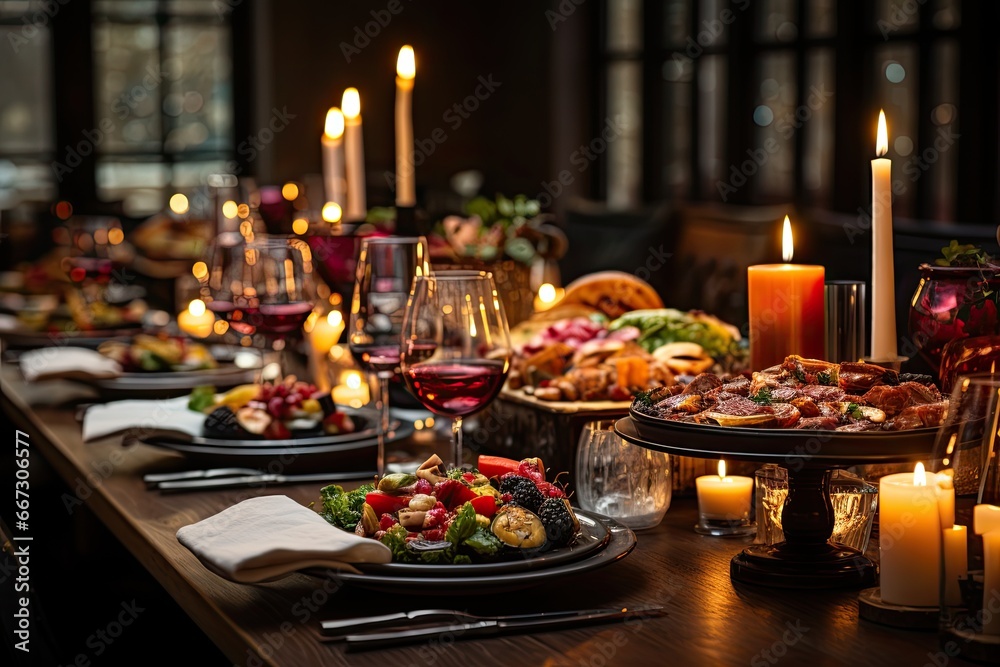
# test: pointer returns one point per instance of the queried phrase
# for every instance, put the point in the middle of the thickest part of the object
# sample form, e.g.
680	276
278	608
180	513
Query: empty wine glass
262	285
456	345
385	271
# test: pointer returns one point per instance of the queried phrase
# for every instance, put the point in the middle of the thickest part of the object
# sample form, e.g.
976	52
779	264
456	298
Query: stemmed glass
456	345
385	271
262	285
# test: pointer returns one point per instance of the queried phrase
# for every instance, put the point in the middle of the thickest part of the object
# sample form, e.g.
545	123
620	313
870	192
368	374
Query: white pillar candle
334	185
909	539
946	499
406	70
956	562
883	280
985	519
991	583
354	151
722	497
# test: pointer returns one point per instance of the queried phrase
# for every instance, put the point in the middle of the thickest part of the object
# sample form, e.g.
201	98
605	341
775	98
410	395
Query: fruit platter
452	532
437	516
284	410
145	353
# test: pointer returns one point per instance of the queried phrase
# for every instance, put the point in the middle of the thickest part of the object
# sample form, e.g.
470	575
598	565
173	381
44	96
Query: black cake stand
807	558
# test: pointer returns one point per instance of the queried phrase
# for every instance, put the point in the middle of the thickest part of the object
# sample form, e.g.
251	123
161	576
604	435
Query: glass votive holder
724	504
770	491
854	503
621	480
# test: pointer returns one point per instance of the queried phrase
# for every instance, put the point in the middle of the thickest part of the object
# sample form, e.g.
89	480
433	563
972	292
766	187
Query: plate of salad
501	517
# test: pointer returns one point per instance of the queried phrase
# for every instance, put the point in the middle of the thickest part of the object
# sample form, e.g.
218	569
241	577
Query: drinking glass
386	269
262	285
966	449
621	480
456	345
96	257
854	503
770	491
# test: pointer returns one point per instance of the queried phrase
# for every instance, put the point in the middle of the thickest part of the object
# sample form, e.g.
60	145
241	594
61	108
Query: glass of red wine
96	257
456	345
262	286
386	269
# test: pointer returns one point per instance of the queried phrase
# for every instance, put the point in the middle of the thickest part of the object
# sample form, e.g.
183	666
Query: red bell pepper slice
485	505
383	503
496	466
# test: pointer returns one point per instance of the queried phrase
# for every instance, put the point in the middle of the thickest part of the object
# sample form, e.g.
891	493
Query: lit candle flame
406	66
882	140
722	469
197	307
919	475
353	380
335	319
547	293
351	104
786	240
332	212
179	204
334	128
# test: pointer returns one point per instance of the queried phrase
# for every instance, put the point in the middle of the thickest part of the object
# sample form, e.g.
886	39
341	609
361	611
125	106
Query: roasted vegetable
518	528
393	483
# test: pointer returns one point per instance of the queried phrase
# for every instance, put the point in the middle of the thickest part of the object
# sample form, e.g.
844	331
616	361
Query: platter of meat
802	408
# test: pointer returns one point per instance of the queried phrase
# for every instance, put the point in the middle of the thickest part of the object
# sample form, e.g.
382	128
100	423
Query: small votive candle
724	504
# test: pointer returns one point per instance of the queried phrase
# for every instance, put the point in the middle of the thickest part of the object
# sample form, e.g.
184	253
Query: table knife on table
499	626
214	483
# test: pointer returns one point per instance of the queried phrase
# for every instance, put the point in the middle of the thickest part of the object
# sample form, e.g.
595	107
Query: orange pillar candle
787	314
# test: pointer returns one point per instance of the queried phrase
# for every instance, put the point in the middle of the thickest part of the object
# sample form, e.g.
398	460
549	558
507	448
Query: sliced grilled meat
893	400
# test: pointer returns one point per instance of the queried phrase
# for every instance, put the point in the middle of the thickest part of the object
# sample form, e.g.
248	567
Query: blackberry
222	423
559	521
522	491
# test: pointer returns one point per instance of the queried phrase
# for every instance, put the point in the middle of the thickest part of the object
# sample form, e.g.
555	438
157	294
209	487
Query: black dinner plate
769	444
621	543
593	535
303	455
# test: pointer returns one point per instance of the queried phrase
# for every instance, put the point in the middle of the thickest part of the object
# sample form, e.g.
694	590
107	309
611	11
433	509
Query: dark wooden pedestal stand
807	558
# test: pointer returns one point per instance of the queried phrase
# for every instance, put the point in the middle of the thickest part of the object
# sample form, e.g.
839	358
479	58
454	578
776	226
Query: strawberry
532	469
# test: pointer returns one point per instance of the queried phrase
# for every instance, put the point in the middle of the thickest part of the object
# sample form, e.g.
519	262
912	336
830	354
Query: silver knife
258	480
342	627
156	478
399	636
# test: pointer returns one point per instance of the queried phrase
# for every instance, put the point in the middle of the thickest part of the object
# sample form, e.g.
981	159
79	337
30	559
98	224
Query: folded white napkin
118	416
267	538
47	363
9	323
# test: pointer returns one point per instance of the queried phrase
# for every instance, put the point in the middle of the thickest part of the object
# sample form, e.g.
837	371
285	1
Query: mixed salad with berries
273	411
502	508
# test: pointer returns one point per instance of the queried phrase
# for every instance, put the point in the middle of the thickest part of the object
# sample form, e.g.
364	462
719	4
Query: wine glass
261	285
385	271
456	345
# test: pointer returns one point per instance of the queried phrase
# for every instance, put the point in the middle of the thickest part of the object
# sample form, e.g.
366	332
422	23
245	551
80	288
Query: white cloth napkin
270	537
47	363
118	416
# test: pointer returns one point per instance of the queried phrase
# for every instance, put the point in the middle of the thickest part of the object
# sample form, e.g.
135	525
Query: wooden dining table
708	619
